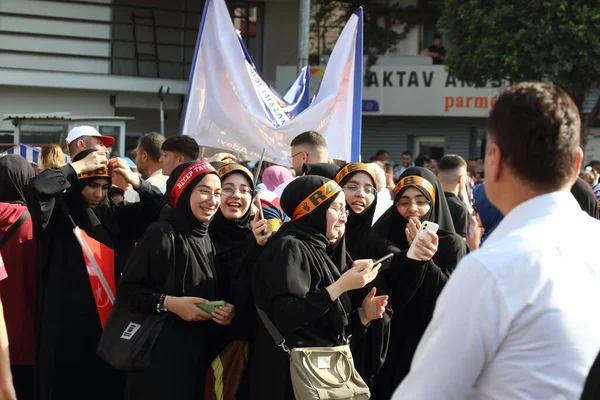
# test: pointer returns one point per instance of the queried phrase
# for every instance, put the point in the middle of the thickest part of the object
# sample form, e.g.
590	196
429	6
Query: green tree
517	40
386	22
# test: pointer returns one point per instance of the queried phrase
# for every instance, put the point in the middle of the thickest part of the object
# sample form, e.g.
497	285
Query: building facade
93	60
109	58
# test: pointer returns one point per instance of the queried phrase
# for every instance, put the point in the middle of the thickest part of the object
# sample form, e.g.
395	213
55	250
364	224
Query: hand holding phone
211	306
382	259
259	211
424	245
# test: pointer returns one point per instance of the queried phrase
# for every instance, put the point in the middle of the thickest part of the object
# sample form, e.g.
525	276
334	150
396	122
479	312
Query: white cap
84	130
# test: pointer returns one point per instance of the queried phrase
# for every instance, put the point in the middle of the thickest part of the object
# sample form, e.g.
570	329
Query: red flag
104	258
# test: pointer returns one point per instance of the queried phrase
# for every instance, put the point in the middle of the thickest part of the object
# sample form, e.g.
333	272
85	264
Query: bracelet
160	306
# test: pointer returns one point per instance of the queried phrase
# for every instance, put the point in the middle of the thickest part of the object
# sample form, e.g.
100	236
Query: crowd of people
214	255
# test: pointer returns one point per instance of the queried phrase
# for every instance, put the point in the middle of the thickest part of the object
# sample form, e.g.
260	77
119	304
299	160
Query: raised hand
427	248
260	231
91	162
412	228
121	172
373	307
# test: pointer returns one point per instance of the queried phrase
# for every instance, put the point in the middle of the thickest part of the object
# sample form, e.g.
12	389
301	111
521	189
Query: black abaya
183	350
414	286
290	283
69	327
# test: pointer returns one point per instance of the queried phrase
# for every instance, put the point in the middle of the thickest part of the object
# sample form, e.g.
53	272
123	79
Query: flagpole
259	166
303	34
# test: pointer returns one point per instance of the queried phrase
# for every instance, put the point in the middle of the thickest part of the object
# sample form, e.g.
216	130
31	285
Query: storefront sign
423	90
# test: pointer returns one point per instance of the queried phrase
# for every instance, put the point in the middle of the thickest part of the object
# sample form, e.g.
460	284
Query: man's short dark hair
594	162
381	152
151	144
422	159
437	36
311	138
451	162
537	128
182	144
407	153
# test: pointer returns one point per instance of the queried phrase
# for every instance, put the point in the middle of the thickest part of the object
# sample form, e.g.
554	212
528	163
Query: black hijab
199	267
99	223
15	173
358	226
322	169
391	224
584	195
311	229
226	234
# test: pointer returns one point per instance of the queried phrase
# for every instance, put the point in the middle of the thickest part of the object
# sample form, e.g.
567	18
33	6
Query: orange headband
354	167
227	168
186	177
101	172
316	198
414	180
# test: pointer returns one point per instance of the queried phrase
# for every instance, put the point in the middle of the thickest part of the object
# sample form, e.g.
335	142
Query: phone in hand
382	259
211	306
426	227
259	209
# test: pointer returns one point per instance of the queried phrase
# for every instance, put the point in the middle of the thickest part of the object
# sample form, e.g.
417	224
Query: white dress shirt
157	179
519	317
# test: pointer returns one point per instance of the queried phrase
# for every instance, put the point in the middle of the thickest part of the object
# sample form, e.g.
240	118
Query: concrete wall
73	38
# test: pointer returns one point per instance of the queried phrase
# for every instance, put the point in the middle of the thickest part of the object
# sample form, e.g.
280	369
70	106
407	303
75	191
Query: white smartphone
423	233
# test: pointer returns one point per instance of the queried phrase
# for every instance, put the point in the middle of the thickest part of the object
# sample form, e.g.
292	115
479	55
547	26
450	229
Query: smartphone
423	233
211	306
259	209
382	259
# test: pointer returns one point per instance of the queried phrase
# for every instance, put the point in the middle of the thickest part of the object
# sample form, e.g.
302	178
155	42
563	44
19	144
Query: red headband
186	177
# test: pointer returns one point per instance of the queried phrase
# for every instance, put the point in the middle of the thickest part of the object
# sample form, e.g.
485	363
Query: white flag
229	104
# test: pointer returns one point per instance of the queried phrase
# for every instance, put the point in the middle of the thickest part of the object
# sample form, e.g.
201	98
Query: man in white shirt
147	158
518	319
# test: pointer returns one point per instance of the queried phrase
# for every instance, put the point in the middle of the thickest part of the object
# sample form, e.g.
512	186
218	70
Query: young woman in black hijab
300	288
185	346
230	230
236	252
359	183
69	326
414	286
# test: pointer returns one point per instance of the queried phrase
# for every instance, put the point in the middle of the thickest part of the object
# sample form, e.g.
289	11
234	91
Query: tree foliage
517	40
386	22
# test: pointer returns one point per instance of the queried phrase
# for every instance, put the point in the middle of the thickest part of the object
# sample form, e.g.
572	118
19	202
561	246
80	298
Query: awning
31	153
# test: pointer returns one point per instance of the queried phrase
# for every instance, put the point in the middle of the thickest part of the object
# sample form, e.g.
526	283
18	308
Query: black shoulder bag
129	337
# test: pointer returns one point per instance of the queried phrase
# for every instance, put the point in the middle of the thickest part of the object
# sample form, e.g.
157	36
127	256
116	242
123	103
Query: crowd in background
199	243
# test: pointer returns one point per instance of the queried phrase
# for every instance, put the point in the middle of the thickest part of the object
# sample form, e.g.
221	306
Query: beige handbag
321	373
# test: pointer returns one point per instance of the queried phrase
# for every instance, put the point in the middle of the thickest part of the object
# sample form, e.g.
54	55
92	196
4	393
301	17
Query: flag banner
230	105
100	263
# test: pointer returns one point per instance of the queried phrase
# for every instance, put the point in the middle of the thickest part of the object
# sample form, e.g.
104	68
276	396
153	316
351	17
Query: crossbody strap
13	228
273	331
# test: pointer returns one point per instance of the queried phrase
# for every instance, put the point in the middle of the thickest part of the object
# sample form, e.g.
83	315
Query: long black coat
68	325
